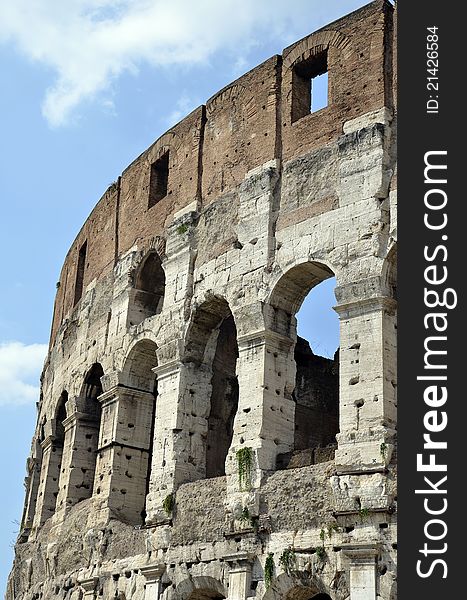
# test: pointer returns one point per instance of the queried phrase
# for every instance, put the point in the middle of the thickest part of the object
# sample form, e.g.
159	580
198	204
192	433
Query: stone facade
188	446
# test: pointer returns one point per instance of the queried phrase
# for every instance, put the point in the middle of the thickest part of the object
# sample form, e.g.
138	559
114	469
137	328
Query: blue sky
87	85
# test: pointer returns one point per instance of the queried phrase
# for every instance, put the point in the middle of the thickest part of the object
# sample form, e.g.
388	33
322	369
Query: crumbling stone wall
317	398
188	445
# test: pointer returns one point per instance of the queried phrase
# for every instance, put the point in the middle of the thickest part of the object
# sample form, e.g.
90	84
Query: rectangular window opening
310	85
80	273
319	92
159	179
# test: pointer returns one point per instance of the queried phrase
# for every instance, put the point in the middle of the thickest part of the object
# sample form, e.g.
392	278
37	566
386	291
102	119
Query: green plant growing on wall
287	560
321	553
269	569
363	513
181	229
247	520
245	517
168	504
383	448
332	527
245	464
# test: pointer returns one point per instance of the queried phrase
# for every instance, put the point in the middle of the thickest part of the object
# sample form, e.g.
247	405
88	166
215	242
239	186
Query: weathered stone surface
186	440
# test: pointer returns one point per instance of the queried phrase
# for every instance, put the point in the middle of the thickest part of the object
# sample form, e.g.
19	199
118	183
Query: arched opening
224	398
300	585
138	368
148	294
59	442
135	432
81	442
212	351
60	416
33	466
89	432
52	437
200	588
303	299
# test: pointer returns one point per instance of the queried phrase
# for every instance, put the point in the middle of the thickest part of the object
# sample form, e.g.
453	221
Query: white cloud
88	43
184	105
20	369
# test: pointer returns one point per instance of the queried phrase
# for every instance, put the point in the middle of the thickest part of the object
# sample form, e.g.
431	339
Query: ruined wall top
255	119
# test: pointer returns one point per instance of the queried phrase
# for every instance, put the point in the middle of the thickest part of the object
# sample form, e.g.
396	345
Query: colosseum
189	445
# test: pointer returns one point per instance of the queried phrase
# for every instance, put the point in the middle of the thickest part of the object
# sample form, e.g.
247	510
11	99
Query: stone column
153	574
79	455
175	442
172	440
124	451
362	571
89	587
367	387
31	483
49	478
367	403
266	411
240	566
181	427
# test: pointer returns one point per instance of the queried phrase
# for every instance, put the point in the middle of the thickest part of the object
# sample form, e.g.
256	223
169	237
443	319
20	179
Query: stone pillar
362	571
367	388
52	458
89	587
181	426
153	574
266	411
31	484
173	442
240	566
79	455
124	451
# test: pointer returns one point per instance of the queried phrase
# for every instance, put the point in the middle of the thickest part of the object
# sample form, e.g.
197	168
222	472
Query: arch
316	389
51	443
35	489
81	442
140	409
389	273
92	386
137	368
149	289
59	442
292	287
60	416
88	435
316	43
208	316
232	94
299	585
200	588
168	141
211	352
91	407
